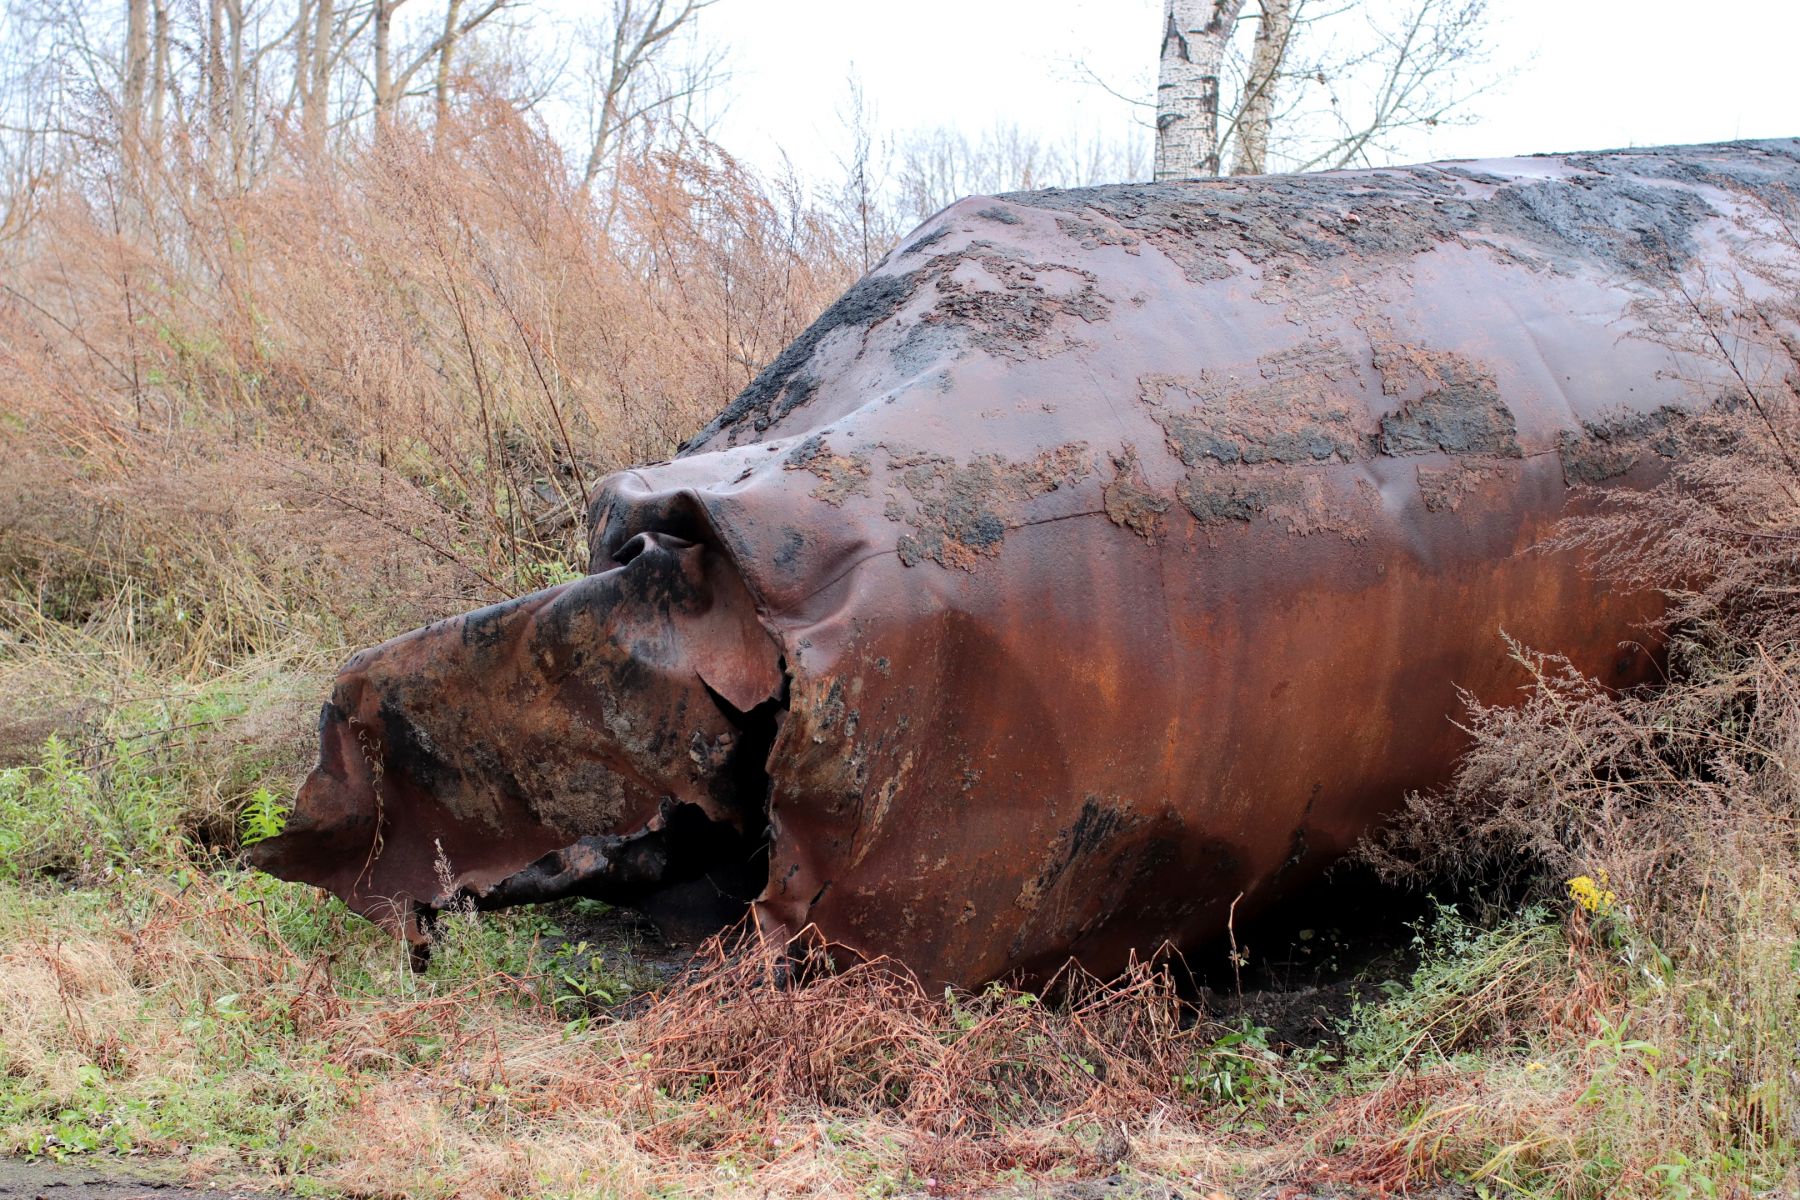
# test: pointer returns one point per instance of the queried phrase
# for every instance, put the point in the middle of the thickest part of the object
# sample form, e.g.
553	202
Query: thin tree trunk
236	85
318	95
137	67
302	58
1273	29
215	73
447	54
159	70
384	63
1195	33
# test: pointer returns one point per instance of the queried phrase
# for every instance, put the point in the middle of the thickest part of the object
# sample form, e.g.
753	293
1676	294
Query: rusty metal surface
1103	556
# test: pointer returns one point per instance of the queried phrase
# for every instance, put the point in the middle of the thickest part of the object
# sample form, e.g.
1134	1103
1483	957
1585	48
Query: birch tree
1303	85
396	68
1195	36
1274	31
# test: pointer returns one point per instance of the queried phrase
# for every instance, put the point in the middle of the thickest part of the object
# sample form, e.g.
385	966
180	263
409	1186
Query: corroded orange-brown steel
1103	556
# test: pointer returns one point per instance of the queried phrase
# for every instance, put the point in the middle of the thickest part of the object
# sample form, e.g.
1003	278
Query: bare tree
935	167
1195	36
860	203
1424	66
383	20
629	75
159	69
446	54
395	70
1310	84
216	97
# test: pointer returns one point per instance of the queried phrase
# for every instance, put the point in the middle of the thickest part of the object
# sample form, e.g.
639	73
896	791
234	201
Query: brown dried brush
740	1042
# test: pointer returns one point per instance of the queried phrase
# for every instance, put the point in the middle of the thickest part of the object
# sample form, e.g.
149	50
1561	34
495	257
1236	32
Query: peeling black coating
1612	446
1462	418
1217	497
1625	223
931	239
872	300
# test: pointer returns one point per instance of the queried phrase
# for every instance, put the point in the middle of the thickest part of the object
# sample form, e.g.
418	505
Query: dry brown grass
374	387
247	1027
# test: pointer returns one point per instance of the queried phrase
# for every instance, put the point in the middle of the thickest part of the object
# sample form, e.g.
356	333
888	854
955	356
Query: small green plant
1469	977
264	816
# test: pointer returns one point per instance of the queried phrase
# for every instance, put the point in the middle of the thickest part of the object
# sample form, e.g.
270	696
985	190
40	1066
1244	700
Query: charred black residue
794	393
793	542
1295	406
870	301
1011	315
1445	489
1130	502
1093	828
1300	500
1200	226
931	239
656	578
1456	420
1458	410
484	627
1625	223
840	476
1091	235
994	212
1613	445
406	750
1214	497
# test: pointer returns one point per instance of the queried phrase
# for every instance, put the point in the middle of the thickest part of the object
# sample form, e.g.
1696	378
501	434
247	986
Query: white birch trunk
1187	92
1273	29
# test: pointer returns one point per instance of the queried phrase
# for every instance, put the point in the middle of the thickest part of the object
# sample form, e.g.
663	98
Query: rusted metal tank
1103	557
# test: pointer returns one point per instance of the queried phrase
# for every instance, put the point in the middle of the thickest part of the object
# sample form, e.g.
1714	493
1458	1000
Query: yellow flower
1593	894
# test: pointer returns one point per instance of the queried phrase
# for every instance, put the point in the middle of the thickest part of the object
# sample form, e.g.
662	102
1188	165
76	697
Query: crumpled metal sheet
1102	558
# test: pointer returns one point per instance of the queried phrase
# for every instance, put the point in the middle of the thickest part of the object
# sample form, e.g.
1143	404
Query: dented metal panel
1101	558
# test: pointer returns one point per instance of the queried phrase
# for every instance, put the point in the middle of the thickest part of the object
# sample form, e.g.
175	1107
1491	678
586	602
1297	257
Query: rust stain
961	512
1130	502
841	476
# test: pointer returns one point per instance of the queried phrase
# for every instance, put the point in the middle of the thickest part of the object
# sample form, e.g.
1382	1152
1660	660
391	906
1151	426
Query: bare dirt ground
101	1180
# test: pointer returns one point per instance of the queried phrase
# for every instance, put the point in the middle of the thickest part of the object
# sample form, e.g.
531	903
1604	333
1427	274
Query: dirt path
101	1180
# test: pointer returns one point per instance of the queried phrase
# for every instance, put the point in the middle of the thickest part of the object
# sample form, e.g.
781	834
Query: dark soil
1305	965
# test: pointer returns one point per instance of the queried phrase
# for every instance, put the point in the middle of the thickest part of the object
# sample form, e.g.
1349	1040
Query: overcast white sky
1591	74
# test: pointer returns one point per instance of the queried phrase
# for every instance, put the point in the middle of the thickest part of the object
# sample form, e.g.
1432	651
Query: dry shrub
970	1081
1679	804
370	388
